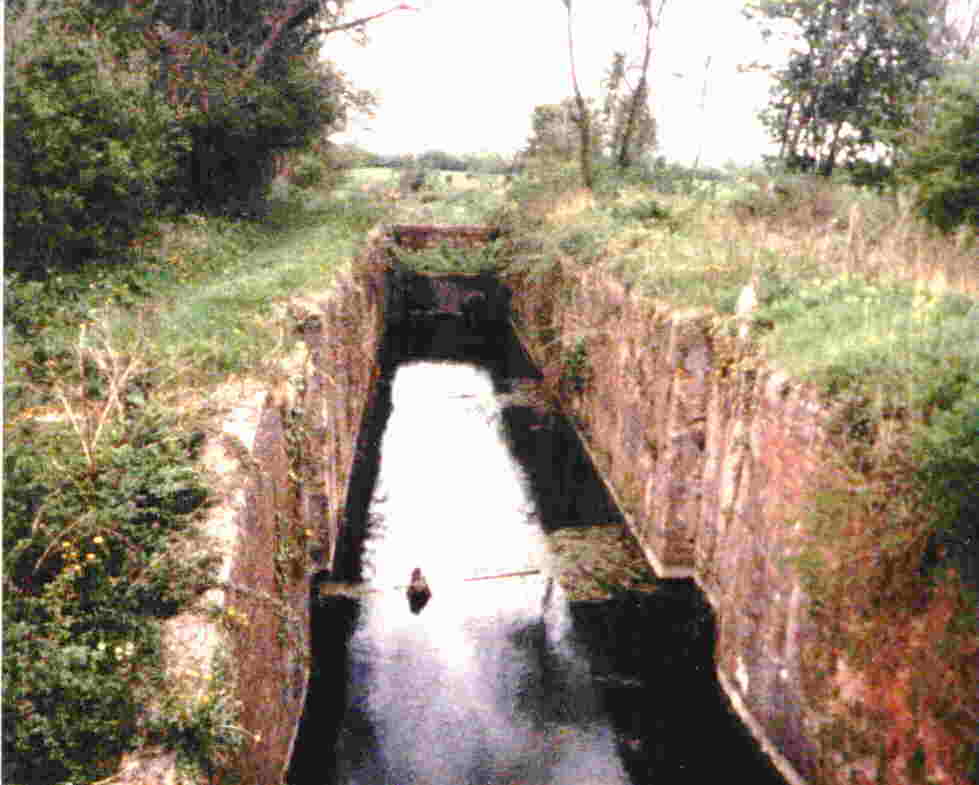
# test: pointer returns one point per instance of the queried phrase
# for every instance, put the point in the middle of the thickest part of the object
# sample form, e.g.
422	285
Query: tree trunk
640	94
583	121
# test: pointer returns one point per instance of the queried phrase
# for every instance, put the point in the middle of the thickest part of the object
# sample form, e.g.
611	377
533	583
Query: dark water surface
500	680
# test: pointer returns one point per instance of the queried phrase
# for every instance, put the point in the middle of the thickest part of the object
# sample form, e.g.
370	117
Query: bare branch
364	20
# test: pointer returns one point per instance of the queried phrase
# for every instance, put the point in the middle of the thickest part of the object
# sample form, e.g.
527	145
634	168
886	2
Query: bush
646	210
231	158
309	171
84	159
89	565
944	164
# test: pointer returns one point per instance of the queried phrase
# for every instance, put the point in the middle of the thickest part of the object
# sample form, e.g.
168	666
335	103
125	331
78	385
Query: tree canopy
850	81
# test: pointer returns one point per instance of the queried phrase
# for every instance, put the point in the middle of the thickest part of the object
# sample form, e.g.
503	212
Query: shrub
646	210
85	157
309	172
944	164
230	161
98	507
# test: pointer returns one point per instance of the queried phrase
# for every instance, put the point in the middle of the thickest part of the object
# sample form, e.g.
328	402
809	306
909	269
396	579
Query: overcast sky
464	75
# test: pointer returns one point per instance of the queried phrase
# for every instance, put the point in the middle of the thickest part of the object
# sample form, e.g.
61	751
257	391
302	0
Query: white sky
464	75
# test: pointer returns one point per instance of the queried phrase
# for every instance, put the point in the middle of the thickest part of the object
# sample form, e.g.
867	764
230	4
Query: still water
484	683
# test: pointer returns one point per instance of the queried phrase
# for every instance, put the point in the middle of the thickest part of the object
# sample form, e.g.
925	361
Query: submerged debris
597	562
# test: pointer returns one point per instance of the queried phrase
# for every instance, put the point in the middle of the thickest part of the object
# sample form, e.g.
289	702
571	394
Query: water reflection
482	684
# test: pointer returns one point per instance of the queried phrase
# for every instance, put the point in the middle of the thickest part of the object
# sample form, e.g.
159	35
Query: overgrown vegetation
100	497
106	372
119	114
446	259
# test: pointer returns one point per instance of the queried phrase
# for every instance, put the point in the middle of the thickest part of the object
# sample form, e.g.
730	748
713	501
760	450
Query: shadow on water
648	656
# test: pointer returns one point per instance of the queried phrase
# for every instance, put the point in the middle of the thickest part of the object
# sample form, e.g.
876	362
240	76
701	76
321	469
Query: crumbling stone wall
709	454
714	454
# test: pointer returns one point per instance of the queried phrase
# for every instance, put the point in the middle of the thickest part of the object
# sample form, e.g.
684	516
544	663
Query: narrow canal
495	679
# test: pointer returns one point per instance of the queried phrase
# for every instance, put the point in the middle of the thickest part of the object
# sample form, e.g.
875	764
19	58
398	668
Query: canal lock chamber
623	676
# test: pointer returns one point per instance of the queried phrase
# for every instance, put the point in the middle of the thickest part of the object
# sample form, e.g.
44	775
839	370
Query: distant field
447	197
373	174
456	181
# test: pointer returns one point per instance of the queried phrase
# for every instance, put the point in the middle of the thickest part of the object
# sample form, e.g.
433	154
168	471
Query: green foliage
846	334
670	177
799	200
944	164
445	259
646	210
230	162
203	729
87	149
117	115
585	243
309	171
554	131
92	560
895	350
575	371
947	454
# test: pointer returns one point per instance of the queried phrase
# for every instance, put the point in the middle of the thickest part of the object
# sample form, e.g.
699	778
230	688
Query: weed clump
445	259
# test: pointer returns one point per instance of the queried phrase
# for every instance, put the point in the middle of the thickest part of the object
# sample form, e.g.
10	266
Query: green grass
217	314
446	198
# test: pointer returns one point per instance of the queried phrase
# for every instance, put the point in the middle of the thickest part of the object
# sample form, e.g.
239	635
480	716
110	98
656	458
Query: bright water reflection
481	686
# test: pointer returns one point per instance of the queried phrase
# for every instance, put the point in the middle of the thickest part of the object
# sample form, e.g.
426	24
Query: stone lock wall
281	456
709	452
713	454
709	455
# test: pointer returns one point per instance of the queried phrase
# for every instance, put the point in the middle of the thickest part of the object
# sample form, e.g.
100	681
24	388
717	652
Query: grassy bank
107	372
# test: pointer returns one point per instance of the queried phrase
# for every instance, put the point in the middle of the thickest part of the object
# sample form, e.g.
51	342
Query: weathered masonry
709	452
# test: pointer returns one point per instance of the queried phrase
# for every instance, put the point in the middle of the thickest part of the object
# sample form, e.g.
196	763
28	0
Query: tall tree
554	131
582	115
250	84
636	127
852	80
942	159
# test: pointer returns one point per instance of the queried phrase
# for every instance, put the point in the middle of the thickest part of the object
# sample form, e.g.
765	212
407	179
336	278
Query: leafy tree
249	84
555	132
121	110
943	163
859	67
